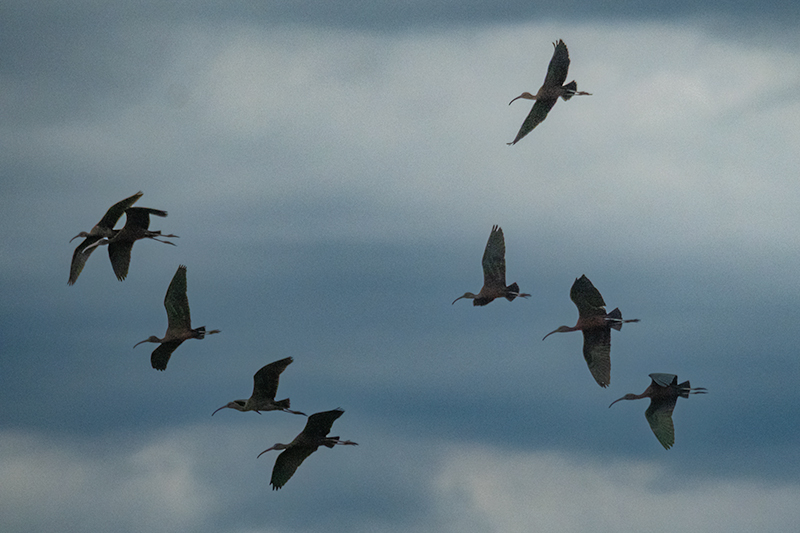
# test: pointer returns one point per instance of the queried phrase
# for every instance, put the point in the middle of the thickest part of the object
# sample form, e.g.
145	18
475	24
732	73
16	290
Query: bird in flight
663	392
552	88
596	326
494	273
179	322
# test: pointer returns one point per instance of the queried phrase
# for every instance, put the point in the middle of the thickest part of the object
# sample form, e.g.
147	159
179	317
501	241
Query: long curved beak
527	96
265	451
140	342
615	401
221	408
554	331
75	237
457	299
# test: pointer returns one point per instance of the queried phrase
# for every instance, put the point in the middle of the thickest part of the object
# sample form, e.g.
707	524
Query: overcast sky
333	172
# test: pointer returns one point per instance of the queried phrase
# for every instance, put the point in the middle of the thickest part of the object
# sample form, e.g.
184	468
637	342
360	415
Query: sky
333	171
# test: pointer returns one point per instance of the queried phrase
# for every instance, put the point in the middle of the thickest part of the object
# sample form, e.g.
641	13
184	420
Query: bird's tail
614	319
615	315
200	333
684	390
571	89
330	442
512	291
283	404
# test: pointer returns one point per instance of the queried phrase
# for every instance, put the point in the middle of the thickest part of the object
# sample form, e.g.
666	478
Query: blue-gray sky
333	172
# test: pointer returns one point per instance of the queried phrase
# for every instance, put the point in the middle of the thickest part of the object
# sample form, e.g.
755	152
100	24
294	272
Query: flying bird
494	273
663	393
137	222
312	437
103	230
265	386
179	322
596	325
549	92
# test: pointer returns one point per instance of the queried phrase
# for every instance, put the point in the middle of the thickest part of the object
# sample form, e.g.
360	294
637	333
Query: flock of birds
593	320
179	328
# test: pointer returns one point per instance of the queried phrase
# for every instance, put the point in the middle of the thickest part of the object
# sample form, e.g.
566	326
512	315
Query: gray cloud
333	190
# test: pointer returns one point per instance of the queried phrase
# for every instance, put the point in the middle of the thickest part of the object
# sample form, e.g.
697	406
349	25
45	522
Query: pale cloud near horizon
554	491
164	480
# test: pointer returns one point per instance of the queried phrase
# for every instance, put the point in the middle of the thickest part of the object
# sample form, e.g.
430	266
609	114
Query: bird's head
561	329
277	446
466	295
629	396
526	96
235	404
151	338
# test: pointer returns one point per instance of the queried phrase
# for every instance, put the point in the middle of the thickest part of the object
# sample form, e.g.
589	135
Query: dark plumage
312	437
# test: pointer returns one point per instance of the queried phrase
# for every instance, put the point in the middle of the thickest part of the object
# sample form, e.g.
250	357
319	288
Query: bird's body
494	273
102	231
596	326
548	94
312	437
265	386
663	392
179	322
137	222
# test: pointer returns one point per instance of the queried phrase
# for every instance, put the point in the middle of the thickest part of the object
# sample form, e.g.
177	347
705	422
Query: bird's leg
165	242
95	244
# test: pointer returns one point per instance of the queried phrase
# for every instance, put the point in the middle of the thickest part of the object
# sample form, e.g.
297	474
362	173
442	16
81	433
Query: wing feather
177	302
265	381
559	66
287	463
597	353
494	259
586	298
659	416
160	356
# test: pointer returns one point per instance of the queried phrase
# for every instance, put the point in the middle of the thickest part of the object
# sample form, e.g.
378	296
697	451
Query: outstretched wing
586	298
494	260
538	113
659	416
287	463
665	380
559	66
265	381
139	217
115	211
319	424
177	303
597	353
80	256
119	252
161	355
